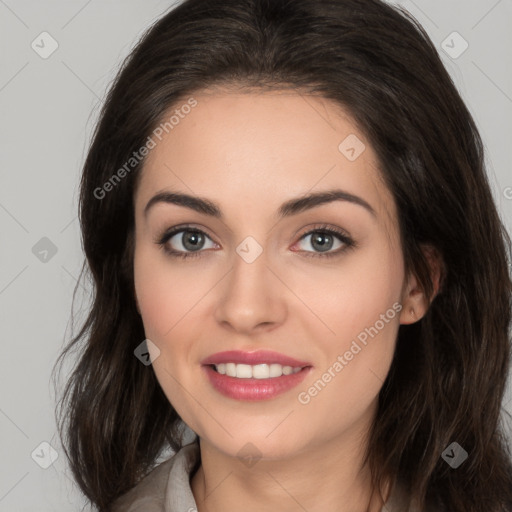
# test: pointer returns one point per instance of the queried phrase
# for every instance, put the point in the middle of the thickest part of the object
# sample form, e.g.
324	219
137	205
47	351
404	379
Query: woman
296	253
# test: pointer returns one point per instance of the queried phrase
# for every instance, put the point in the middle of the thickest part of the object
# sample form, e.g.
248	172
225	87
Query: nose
251	298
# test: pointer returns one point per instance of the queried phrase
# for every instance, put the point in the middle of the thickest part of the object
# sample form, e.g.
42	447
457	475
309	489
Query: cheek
359	303
345	387
352	293
165	293
166	300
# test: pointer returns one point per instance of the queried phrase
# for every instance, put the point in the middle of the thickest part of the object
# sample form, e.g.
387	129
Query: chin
254	446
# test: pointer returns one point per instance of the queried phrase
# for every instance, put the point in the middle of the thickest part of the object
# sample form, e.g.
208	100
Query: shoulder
162	486
149	492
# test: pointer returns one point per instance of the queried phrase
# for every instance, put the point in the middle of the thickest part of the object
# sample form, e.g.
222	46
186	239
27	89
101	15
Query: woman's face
261	278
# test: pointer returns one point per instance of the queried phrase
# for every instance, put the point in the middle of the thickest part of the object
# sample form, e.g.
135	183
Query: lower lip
254	389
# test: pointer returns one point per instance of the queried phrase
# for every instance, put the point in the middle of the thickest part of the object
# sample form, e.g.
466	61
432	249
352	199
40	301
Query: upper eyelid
172	232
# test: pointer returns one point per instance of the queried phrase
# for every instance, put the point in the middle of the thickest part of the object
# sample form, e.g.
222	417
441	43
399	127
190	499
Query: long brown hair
449	372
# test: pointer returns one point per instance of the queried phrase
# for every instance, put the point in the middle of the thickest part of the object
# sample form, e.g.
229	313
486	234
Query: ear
415	304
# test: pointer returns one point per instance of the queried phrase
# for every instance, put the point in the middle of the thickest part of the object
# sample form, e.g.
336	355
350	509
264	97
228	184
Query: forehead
261	147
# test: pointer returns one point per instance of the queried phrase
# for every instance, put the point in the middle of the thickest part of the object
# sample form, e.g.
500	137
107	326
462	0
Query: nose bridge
249	274
250	295
250	264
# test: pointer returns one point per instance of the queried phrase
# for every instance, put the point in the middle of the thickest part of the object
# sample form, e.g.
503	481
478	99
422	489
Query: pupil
320	239
193	237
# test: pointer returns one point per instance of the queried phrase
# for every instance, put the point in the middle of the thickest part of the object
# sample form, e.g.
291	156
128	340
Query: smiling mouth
257	371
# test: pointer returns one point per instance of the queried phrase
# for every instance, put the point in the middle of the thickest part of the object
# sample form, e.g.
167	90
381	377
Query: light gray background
48	109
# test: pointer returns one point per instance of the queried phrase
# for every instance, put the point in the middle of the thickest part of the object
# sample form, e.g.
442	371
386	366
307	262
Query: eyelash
167	235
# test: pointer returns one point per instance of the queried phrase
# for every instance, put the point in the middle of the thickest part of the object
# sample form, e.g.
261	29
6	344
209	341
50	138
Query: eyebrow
288	208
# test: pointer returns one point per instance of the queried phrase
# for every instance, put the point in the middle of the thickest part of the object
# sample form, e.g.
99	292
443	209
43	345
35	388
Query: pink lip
253	358
254	389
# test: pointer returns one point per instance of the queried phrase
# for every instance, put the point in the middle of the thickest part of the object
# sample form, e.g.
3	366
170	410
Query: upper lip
253	358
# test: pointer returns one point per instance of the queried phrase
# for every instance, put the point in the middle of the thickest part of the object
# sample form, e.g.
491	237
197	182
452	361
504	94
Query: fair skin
249	153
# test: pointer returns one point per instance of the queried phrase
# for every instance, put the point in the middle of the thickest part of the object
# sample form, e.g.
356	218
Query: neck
326	478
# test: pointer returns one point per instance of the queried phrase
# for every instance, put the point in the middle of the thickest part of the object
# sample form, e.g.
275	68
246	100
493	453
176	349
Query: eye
184	239
322	239
189	242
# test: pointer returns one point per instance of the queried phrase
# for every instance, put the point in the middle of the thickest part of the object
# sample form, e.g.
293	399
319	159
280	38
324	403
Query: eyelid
169	232
343	236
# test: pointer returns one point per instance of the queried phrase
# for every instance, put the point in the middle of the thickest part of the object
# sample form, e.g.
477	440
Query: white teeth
258	371
243	371
287	370
261	371
276	370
